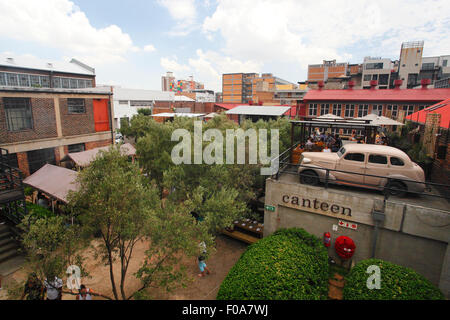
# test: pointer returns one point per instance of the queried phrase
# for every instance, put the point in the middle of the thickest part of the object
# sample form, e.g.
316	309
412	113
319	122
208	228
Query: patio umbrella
329	116
380	120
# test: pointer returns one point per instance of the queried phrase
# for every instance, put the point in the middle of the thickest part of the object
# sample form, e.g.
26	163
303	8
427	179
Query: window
76	106
444	63
35	81
24	80
18	114
11	160
428	66
396	161
408	110
73	83
2	79
337	109
123	101
363	110
371	66
12	79
355	157
367	77
313	109
376	158
56	82
76	148
383	79
324	109
375	77
349	110
393	110
377	109
38	158
65	83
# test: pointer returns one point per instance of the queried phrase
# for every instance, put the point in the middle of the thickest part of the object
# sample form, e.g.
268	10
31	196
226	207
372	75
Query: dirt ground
227	253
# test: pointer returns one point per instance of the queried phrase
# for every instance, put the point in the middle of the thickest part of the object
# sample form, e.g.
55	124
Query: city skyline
133	44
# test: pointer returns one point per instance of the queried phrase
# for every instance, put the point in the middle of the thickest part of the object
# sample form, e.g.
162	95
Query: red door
101	116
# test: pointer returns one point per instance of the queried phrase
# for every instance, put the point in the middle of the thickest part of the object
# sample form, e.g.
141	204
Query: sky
133	43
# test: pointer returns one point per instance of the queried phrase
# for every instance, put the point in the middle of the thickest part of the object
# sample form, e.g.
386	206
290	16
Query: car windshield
341	152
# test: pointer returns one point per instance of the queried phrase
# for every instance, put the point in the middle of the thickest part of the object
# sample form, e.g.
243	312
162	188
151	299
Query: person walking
202	266
33	290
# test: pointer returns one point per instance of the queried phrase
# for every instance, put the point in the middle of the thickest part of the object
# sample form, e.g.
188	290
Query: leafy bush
38	211
397	283
289	264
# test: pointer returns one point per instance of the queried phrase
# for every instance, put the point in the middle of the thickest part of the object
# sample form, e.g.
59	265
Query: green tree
51	245
117	202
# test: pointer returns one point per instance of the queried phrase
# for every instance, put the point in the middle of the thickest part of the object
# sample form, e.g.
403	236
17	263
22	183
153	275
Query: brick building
351	103
49	110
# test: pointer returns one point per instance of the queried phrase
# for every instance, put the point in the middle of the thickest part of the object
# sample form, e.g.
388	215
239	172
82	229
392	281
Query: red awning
442	108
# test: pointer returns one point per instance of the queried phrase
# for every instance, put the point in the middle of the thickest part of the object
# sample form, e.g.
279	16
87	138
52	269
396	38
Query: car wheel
309	177
397	188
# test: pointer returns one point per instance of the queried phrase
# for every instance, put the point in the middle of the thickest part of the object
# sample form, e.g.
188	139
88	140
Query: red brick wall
44	122
74	124
22	161
97	144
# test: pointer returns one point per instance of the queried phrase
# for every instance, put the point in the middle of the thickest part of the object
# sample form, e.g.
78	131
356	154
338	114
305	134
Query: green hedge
289	264
397	283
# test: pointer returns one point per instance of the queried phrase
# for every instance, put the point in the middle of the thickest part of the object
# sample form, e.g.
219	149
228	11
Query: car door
352	162
377	165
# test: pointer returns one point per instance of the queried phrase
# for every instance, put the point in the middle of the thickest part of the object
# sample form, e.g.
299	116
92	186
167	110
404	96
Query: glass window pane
376	158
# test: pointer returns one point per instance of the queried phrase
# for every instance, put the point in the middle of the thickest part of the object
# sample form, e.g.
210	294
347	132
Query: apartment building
237	87
410	63
328	69
377	69
50	109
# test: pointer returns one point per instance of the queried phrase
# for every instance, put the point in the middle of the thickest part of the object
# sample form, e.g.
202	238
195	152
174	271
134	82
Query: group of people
36	290
326	142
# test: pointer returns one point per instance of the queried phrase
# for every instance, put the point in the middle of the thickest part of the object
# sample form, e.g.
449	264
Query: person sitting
309	144
353	136
326	149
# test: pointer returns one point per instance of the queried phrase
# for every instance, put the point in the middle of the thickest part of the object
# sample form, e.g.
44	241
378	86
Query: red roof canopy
379	95
442	107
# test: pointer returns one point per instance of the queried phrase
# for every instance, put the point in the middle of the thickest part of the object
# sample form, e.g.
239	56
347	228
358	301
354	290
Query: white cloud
171	64
149	48
298	33
60	24
184	12
209	66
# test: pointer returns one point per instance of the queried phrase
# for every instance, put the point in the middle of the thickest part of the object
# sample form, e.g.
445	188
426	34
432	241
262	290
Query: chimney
425	83
398	83
321	85
351	84
373	84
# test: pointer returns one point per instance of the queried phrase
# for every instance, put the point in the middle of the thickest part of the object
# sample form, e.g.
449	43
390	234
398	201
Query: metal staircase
12	210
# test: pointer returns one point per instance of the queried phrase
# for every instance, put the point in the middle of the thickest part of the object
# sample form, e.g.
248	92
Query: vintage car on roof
364	165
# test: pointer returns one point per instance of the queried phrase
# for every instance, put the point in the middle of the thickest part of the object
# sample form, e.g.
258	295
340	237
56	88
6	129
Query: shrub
38	211
289	264
397	283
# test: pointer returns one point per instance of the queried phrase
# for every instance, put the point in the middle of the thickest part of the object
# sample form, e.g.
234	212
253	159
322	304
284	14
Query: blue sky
132	43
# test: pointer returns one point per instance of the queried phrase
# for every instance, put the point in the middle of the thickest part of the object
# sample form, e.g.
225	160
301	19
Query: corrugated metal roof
31	62
180	114
259	110
430	95
442	107
54	181
229	106
147	95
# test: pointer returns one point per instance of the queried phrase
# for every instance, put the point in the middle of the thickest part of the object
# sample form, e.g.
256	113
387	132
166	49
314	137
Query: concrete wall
411	236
